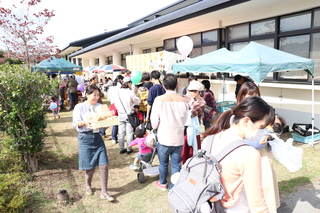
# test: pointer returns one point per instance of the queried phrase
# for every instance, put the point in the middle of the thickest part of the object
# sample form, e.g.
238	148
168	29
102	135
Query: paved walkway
305	201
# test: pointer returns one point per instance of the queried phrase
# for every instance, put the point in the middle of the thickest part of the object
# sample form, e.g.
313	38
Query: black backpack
199	181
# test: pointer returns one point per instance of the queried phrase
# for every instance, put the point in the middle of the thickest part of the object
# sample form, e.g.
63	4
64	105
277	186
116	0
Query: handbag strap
122	103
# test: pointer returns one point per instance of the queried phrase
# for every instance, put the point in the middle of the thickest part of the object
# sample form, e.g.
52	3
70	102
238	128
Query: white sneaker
114	141
134	167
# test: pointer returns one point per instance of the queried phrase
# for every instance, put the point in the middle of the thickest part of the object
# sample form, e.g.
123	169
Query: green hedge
12	178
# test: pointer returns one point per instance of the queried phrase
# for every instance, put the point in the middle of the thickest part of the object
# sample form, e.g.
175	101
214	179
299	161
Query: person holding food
92	150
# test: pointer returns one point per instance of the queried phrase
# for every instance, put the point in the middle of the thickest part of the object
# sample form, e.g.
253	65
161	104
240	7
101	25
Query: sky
78	19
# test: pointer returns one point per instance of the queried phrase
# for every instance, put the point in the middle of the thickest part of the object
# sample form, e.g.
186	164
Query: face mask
256	135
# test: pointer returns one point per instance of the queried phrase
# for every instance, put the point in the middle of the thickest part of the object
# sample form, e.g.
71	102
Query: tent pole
223	87
312	119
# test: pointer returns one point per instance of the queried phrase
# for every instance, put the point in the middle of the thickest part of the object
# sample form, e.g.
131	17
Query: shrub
12	177
21	113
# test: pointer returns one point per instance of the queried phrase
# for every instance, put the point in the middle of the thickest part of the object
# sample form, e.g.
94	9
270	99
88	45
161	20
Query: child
138	113
55	110
145	152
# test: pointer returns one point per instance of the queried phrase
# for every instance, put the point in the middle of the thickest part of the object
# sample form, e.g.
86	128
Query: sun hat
93	75
126	79
195	85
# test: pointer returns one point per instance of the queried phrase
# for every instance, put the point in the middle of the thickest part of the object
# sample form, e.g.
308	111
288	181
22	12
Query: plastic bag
151	139
287	154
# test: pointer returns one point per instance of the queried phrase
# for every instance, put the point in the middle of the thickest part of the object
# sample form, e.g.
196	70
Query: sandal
89	191
106	197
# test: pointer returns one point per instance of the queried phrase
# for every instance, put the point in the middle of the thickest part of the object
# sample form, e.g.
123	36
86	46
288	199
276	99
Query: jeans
163	155
125	128
102	132
114	133
73	99
207	124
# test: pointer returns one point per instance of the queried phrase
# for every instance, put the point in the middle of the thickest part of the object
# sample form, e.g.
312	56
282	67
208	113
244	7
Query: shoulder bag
132	116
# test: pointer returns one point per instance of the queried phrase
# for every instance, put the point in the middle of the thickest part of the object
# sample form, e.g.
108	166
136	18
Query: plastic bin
220	105
228	107
305	139
304	129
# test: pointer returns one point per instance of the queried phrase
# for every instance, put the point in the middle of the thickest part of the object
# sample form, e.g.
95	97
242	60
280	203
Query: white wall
295	105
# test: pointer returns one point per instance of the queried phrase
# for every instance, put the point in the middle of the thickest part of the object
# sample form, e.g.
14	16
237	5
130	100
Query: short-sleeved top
155	91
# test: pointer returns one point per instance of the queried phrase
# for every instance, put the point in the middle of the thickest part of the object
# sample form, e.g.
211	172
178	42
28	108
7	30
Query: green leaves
21	113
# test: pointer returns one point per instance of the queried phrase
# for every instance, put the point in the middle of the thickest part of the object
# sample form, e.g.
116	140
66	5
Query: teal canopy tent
55	65
254	59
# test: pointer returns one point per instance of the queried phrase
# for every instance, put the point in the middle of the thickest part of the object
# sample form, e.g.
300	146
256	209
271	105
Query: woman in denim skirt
92	150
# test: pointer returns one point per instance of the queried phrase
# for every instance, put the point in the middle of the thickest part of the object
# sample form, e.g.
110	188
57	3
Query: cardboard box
112	121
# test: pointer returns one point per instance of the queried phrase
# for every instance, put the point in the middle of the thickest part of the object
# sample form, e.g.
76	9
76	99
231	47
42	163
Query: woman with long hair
241	169
247	89
269	178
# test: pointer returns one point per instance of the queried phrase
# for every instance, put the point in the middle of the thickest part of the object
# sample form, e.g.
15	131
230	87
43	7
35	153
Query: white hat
195	85
92	76
126	79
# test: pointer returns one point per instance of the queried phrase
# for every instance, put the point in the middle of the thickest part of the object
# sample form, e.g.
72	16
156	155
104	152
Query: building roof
83	43
176	12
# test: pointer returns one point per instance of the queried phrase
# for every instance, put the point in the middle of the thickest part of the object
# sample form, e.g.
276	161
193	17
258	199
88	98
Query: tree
21	113
21	31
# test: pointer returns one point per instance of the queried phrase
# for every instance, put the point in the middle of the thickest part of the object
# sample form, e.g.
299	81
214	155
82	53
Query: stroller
145	165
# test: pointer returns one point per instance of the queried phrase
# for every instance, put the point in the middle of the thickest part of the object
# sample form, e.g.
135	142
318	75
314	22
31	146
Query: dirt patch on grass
58	169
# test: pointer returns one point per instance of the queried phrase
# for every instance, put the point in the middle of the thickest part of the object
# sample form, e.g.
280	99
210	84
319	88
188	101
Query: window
80	61
238	46
295	22
210	37
315	54
123	59
195	52
96	62
196	38
109	60
263	27
239	31
266	42
169	44
208	49
74	60
146	51
159	49
316	18
297	45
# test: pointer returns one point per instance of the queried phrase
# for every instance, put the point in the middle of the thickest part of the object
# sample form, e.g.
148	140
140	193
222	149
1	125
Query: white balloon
79	79
185	45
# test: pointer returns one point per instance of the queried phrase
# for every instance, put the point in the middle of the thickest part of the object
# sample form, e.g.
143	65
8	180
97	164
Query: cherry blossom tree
21	32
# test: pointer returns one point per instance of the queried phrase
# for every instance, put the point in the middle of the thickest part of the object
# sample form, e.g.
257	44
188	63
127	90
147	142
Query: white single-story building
289	25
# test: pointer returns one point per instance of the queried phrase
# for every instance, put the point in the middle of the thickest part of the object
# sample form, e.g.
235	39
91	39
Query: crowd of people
248	173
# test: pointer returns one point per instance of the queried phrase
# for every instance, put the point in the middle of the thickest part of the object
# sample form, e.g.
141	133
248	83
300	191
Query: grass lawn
58	169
